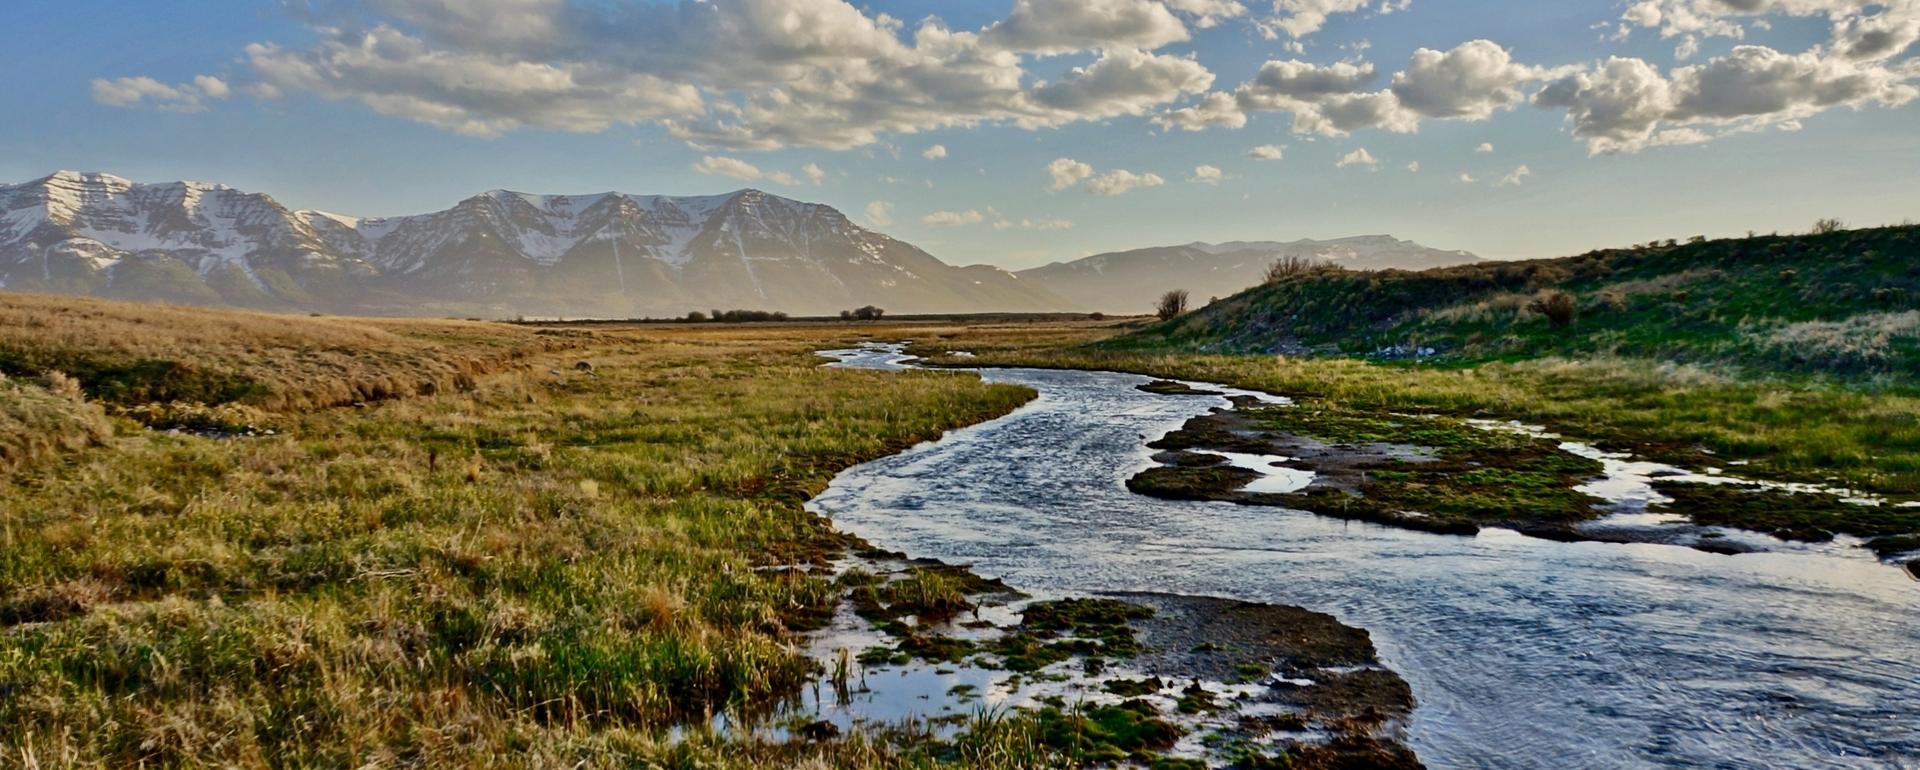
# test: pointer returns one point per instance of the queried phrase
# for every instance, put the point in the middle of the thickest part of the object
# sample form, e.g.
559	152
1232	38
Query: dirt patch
1171	388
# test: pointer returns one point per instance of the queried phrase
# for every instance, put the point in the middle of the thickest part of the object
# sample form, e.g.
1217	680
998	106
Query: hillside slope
1843	302
496	254
1130	281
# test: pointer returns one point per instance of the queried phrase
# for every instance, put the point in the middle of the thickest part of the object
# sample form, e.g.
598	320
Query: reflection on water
1524	653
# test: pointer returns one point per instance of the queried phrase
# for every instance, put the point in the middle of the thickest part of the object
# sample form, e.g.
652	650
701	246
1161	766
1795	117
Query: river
1523	653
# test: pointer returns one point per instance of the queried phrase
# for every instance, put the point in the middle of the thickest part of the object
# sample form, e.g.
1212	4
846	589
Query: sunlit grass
546	569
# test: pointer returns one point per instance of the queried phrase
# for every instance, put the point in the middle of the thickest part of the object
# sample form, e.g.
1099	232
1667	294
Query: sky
1012	132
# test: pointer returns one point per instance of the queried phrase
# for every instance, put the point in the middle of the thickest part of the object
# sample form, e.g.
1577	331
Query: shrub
1827	226
1172	304
1288	267
1558	307
867	313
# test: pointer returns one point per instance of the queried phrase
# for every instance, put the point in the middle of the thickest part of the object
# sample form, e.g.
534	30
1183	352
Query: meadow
531	566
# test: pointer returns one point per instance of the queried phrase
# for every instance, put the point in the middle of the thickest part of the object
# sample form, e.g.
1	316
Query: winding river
1523	653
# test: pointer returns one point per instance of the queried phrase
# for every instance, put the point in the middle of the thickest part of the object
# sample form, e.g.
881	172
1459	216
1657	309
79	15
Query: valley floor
229	539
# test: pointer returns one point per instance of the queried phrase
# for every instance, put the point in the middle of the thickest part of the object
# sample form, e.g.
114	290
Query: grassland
524	568
1833	305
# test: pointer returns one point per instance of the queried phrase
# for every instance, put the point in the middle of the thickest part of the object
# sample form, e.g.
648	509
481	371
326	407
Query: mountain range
495	254
1130	281
604	255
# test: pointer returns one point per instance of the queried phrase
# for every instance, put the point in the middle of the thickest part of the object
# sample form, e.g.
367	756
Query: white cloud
1469	82
1204	174
1514	179
1413	167
1064	26
1122	82
935	152
821	73
720	165
1359	157
1484	148
1865	30
1465	178
815	173
879	213
138	91
953	218
1214	110
1625	105
1026	223
1267	152
1067	172
1122	181
1300	18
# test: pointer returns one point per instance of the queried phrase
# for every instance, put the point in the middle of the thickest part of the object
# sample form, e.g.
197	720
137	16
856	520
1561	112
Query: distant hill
1130	281
496	254
1844	302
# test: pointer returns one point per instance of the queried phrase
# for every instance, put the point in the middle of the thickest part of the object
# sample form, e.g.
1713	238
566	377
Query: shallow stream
1523	653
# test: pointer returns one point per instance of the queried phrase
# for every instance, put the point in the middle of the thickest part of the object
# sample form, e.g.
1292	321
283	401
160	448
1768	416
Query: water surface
1523	653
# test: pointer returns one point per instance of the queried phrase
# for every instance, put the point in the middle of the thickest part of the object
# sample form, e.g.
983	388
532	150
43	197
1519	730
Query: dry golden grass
547	569
38	421
129	354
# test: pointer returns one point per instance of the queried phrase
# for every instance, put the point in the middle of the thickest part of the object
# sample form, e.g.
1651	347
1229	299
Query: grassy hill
1841	302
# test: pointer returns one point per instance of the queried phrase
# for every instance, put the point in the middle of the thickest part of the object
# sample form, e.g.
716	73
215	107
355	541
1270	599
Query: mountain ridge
496	253
1130	281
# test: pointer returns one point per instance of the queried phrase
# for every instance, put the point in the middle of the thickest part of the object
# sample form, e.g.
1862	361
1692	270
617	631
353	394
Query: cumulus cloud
1484	148
1359	157
1204	174
815	173
1300	18
1267	152
1515	178
821	73
1858	29
721	165
1064	26
718	165
183	97
1214	110
1121	181
935	152
1469	82
1123	82
1413	167
1066	172
1465	178
953	218
1625	105
879	213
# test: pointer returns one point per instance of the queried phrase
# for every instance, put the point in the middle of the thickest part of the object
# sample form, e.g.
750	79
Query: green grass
542	570
1844	305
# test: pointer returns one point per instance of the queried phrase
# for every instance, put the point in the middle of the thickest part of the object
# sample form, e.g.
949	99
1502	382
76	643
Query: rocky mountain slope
495	254
1129	281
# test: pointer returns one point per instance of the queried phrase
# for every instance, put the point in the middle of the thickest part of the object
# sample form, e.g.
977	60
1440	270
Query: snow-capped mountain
1130	281
497	253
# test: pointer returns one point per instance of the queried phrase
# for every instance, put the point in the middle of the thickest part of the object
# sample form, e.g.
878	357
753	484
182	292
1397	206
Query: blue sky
1771	120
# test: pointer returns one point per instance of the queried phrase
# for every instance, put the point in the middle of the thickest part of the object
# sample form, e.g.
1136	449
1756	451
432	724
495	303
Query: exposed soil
1171	388
1279	686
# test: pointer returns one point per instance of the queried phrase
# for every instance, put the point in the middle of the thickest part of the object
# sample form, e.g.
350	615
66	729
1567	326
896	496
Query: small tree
695	316
868	313
1288	267
1172	304
1558	306
1828	226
